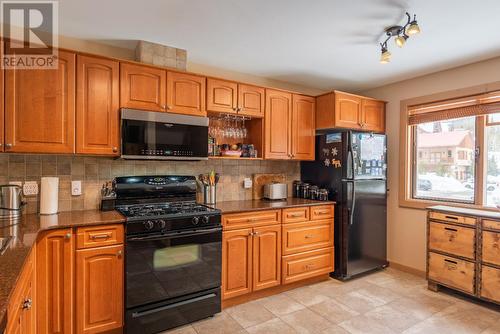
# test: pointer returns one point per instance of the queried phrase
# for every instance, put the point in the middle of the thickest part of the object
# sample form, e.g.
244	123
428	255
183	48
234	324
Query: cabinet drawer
452	218
97	236
491	224
321	212
491	247
305	265
301	237
490	283
251	219
452	239
295	215
452	272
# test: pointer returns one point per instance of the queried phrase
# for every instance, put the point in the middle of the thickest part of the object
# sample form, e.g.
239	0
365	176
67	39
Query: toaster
275	191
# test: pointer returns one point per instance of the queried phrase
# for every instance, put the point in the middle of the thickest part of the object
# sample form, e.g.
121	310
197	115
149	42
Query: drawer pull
451	217
309	266
322	212
309	236
451	229
451	265
100	236
295	215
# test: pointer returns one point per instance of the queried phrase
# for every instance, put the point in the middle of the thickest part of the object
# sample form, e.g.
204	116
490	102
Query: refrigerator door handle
350	210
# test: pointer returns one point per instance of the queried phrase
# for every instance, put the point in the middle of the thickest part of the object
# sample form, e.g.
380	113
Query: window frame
406	161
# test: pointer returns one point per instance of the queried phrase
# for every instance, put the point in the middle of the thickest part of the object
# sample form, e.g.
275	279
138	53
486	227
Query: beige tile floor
385	302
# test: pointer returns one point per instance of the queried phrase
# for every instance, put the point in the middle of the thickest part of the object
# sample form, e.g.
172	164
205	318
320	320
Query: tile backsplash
94	171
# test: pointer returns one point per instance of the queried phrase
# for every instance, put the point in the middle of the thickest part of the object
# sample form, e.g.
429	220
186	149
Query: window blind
463	107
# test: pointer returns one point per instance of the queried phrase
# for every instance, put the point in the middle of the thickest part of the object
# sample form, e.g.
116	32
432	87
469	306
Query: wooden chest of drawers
464	253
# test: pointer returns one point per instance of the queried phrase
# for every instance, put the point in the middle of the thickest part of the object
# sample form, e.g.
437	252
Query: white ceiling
325	44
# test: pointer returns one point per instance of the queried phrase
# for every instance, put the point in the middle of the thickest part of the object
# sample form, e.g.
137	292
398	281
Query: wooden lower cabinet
308	264
236	263
55	281
452	239
21	311
490	279
99	289
452	272
491	247
77	290
266	257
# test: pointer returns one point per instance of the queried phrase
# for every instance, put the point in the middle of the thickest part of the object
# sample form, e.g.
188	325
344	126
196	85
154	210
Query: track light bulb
413	28
400	41
385	57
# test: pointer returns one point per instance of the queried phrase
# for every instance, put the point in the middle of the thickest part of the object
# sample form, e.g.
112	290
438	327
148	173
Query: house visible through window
445	176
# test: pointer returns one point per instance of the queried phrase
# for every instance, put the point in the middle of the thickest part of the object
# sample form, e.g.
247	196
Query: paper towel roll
49	195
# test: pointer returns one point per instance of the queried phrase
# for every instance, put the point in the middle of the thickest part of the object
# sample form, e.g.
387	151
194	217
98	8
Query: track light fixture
400	34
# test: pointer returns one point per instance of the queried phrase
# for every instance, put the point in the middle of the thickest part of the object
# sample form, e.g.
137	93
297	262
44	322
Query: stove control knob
205	219
149	225
161	224
195	220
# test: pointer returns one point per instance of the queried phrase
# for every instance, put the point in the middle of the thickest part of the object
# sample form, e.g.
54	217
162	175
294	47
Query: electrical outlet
247	183
76	188
30	188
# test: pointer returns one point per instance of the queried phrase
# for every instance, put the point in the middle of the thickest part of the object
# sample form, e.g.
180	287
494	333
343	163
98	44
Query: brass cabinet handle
119	253
68	236
309	236
295	215
100	236
115	149
321	212
27	303
251	220
309	266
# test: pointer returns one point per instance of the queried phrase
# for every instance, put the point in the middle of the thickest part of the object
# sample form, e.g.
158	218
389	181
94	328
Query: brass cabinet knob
119	253
163	106
8	145
169	107
68	236
27	303
115	149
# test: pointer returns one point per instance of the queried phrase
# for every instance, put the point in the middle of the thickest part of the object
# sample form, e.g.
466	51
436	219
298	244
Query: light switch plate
247	183
30	188
76	188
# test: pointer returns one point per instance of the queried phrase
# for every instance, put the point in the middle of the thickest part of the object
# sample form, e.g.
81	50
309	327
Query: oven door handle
175	235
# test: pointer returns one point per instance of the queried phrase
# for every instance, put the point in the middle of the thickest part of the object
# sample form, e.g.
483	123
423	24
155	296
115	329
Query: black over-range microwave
163	136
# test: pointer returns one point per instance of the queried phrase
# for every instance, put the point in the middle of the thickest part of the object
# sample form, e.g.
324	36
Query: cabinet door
236	263
186	94
266	257
347	111
40	108
97	106
142	87
55	264
222	96
99	299
277	124
251	100
303	127
490	283
373	115
27	319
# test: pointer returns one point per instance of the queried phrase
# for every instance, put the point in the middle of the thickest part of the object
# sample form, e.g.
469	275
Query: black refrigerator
352	166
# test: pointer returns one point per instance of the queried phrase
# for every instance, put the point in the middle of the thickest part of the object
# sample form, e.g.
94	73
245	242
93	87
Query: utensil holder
209	194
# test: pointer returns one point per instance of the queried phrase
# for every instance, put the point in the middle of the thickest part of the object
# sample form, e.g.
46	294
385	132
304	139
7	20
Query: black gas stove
173	252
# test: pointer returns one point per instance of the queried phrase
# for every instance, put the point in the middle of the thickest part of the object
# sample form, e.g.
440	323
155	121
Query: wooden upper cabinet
373	115
40	108
99	299
303	127
54	288
251	100
347	111
142	87
236	263
97	106
222	96
266	257
344	110
186	94
277	125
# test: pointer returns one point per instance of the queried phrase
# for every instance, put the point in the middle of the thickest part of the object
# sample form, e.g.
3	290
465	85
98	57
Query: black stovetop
164	210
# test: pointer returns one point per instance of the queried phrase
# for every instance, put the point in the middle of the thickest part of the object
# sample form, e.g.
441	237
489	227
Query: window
452	151
493	165
441	177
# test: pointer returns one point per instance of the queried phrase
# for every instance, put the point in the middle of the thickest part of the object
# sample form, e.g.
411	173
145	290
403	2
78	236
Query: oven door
173	265
156	135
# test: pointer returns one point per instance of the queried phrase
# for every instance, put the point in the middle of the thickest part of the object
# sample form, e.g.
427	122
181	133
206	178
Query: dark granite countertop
466	211
258	205
23	236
